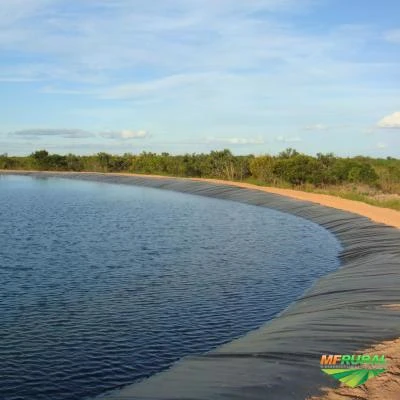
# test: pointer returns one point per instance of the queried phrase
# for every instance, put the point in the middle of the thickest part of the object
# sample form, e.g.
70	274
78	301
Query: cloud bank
316	127
236	141
125	134
185	68
285	139
63	133
390	121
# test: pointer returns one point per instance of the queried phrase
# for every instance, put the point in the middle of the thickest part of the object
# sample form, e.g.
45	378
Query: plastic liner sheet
344	312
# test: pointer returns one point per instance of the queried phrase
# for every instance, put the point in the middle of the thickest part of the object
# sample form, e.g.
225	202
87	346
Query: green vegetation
375	181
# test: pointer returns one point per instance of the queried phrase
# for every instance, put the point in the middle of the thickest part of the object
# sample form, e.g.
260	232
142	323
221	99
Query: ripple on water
102	285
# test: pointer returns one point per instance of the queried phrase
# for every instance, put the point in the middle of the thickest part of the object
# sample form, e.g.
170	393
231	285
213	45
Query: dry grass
363	193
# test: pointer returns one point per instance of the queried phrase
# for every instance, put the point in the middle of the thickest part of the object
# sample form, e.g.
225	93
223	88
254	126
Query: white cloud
392	36
236	140
381	145
316	127
64	133
288	139
125	134
194	66
390	121
153	86
102	37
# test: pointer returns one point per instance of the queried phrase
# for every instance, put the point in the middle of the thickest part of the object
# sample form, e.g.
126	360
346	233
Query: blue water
102	285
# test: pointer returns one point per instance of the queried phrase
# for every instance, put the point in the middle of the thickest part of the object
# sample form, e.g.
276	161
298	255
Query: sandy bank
378	214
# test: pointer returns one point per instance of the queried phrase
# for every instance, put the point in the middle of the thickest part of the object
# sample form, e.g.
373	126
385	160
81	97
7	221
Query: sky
177	76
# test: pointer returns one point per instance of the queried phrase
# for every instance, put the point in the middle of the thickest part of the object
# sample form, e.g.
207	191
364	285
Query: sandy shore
385	386
378	214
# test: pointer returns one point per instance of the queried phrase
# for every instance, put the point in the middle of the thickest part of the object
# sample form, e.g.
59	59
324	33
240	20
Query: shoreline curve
382	215
345	311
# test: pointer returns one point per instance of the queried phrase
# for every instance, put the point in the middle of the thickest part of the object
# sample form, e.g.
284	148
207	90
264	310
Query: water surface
102	285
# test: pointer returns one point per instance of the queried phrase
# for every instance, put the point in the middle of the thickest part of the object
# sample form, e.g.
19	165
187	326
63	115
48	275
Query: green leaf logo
353	377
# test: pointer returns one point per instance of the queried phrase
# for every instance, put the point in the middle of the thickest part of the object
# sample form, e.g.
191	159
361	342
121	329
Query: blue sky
255	76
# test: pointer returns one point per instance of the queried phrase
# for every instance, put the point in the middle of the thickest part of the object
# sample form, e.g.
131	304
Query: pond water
102	285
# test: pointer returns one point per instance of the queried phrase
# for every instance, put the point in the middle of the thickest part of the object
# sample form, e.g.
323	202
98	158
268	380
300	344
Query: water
102	285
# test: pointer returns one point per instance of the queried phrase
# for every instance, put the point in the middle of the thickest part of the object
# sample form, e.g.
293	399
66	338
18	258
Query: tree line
288	168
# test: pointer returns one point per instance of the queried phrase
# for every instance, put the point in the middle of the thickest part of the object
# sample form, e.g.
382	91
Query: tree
40	159
297	169
362	173
73	163
57	162
5	161
262	168
104	160
288	153
222	165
